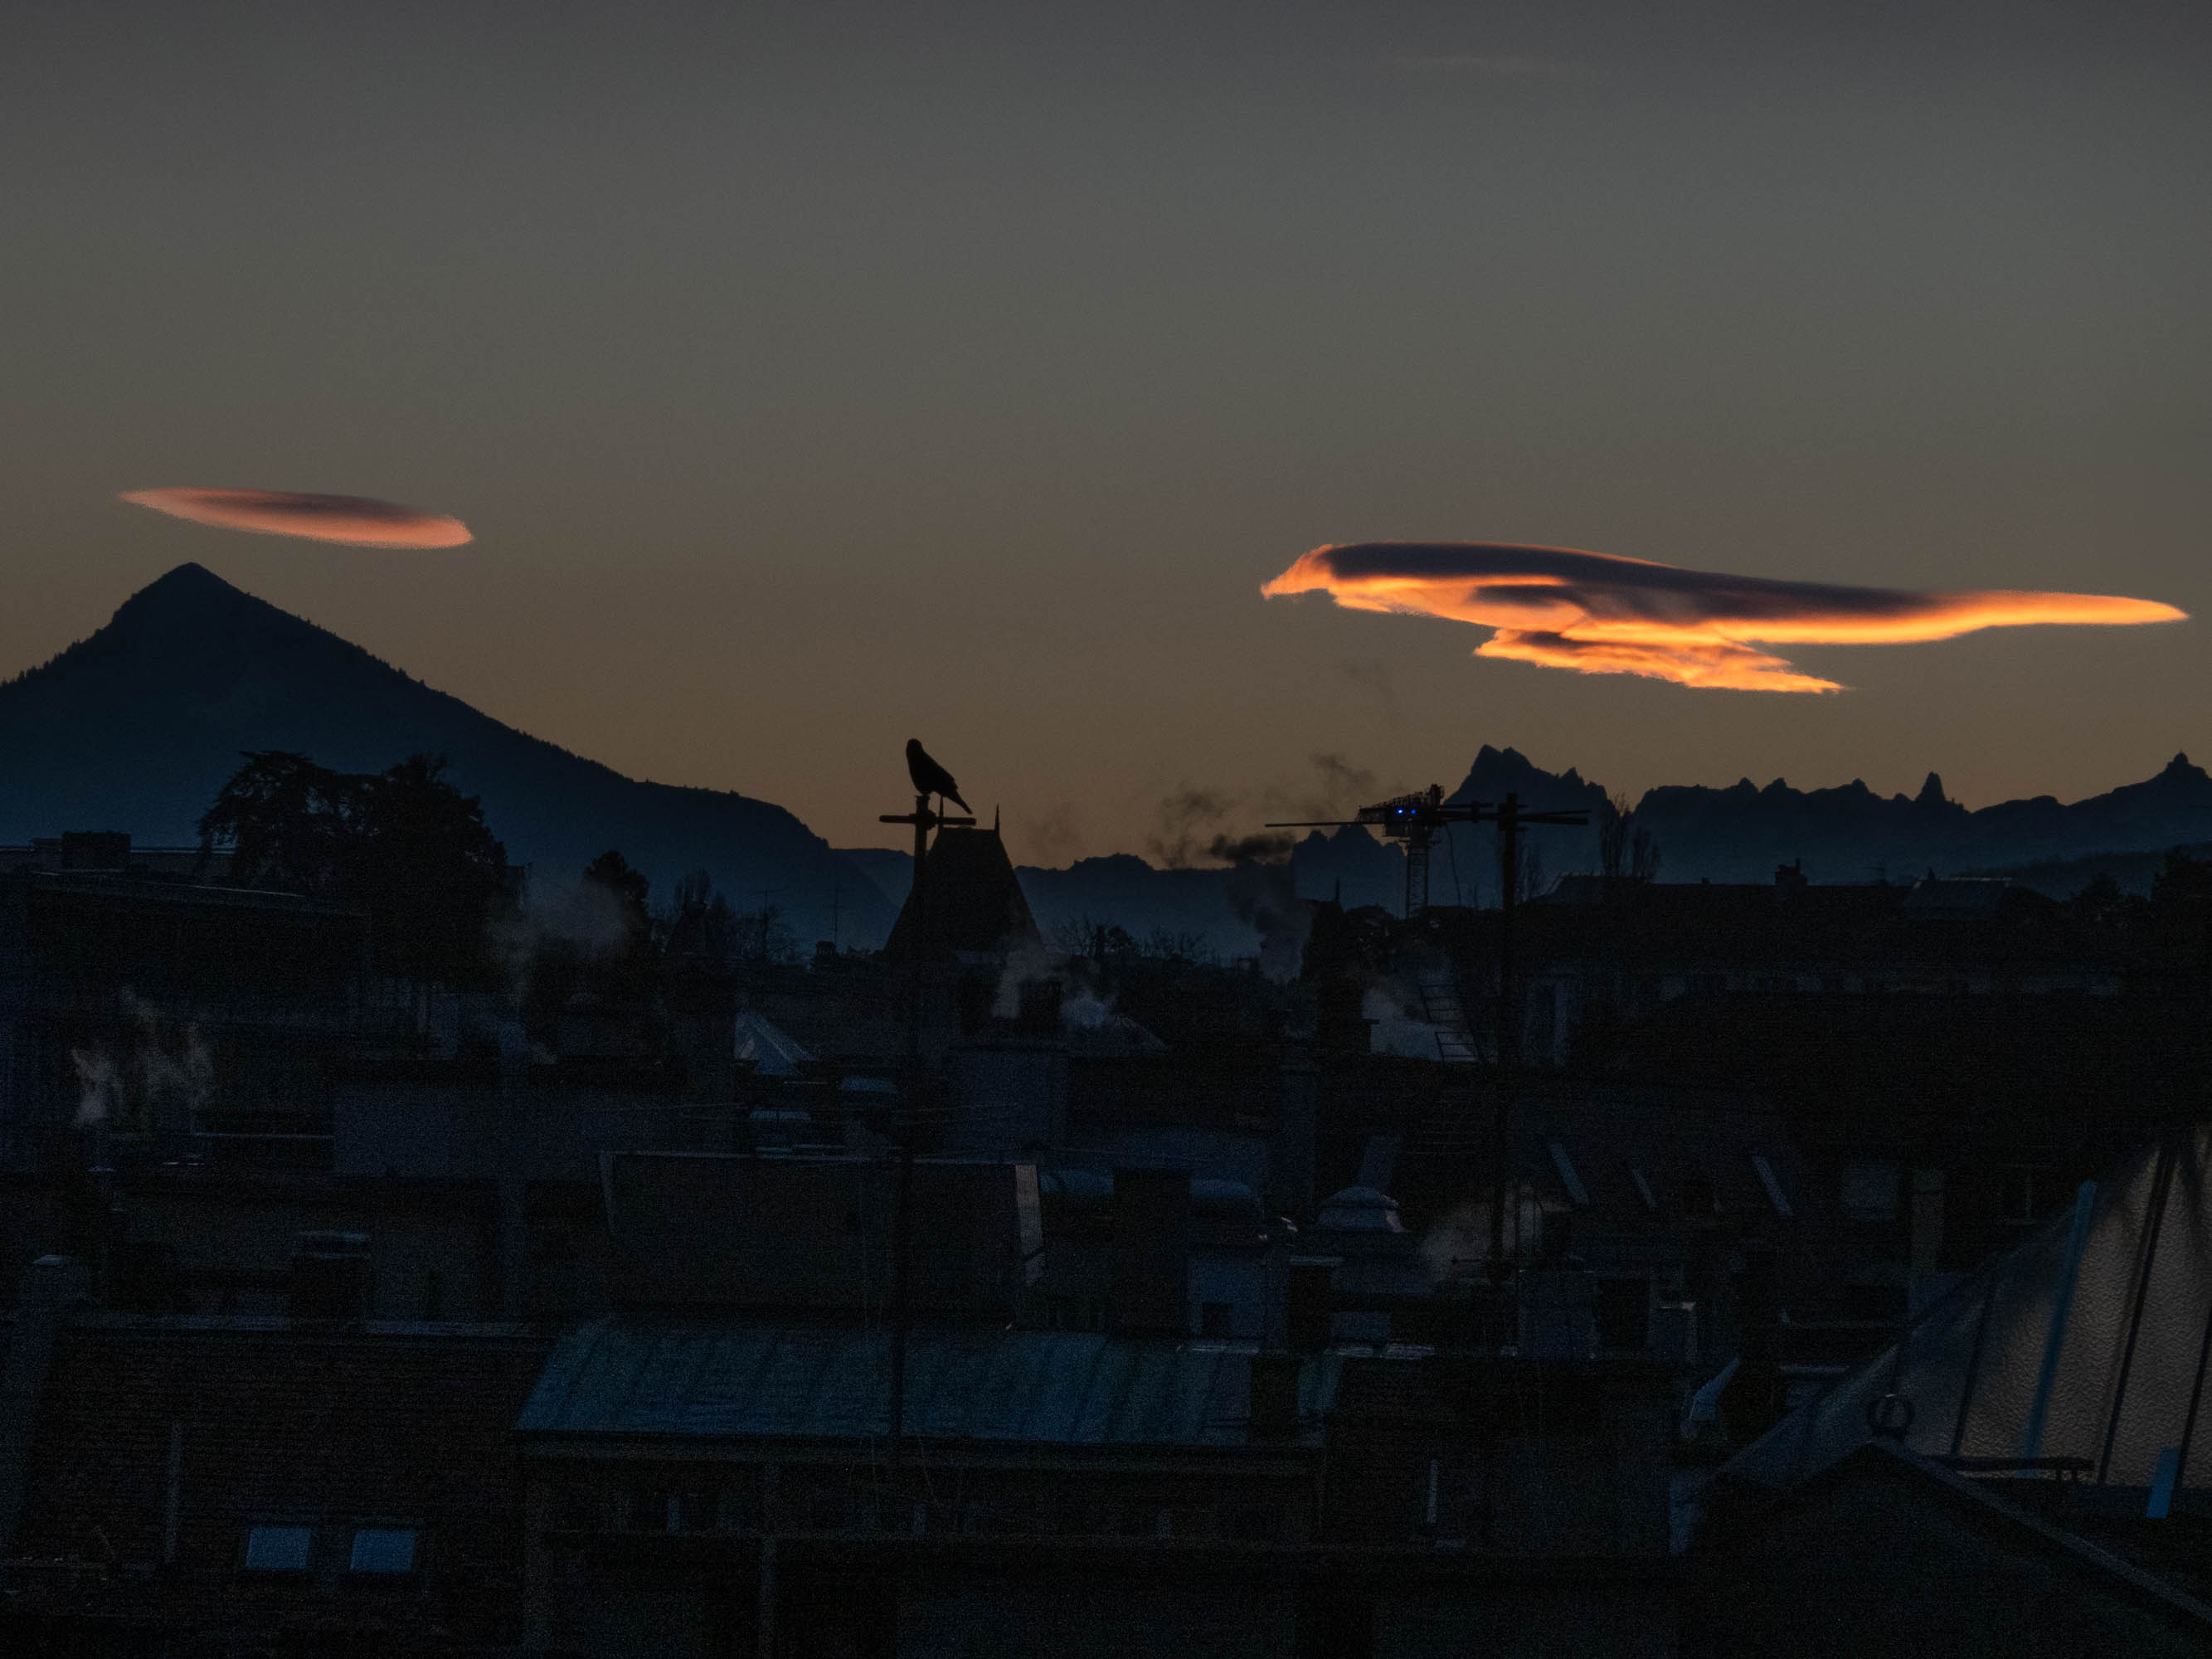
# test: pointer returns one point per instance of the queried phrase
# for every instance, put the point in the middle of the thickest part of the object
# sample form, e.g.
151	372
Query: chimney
330	1278
1149	1293
1312	1294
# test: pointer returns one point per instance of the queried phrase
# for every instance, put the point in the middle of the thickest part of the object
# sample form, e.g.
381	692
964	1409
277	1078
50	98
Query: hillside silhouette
136	727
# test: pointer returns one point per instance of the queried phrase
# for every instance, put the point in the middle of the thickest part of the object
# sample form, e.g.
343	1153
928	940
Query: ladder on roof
1440	1007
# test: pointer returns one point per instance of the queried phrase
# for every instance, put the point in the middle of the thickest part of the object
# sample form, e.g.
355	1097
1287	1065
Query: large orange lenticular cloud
355	520
1601	614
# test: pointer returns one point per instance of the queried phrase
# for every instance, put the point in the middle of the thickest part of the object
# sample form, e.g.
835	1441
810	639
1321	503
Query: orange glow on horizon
1597	613
352	520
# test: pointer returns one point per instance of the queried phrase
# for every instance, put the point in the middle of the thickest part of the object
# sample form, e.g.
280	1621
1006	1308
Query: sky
811	377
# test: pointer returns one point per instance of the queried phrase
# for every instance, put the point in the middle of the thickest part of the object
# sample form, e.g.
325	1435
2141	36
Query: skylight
384	1549
277	1549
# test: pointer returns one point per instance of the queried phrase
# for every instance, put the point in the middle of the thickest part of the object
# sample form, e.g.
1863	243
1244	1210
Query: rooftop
736	1379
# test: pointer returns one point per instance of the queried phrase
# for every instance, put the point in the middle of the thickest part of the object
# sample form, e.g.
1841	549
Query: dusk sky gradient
811	377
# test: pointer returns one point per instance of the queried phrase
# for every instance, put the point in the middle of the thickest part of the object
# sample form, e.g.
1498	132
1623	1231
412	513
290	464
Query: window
1215	1319
1570	1177
278	1549
383	1549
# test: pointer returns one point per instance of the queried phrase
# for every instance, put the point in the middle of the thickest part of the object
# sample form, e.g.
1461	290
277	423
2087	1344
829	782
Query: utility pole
923	821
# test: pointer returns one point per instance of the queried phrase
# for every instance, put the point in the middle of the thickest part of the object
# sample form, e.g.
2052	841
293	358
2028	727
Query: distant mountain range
1739	833
136	727
1851	834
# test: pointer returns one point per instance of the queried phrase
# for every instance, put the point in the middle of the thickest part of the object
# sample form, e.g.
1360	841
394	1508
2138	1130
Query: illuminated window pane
384	1549
277	1549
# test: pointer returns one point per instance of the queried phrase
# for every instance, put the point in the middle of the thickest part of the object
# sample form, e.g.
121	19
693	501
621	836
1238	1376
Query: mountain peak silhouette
137	727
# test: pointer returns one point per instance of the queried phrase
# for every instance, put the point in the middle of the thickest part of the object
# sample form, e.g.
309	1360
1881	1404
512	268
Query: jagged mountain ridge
1851	834
137	727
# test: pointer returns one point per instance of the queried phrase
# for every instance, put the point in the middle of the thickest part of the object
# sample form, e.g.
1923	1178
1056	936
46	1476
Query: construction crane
1415	820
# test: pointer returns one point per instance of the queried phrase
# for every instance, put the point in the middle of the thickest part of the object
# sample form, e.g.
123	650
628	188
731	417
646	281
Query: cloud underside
1600	614
354	521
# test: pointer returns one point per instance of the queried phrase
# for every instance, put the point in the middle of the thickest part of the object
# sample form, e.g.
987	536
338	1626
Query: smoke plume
1262	847
97	1086
354	521
1185	817
1265	897
1598	613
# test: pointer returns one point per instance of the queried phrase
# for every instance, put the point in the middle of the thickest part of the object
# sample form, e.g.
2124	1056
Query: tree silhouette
403	845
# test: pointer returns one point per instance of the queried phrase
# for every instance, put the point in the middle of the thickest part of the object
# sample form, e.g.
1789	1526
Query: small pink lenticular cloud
355	520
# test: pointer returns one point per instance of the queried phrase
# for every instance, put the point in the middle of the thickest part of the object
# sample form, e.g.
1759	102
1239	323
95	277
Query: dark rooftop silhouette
975	901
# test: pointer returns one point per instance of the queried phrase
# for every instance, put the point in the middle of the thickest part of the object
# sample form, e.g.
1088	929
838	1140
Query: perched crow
929	778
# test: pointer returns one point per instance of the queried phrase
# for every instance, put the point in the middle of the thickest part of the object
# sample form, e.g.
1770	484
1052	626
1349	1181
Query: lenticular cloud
1601	614
354	521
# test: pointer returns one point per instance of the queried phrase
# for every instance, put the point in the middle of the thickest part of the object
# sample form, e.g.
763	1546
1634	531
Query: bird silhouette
929	778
